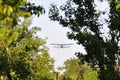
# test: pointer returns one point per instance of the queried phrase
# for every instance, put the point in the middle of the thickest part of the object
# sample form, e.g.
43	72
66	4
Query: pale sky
55	34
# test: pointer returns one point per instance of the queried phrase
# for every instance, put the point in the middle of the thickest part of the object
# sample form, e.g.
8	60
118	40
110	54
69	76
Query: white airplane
61	45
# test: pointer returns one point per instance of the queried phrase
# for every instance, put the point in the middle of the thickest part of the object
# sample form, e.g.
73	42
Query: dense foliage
11	11
23	56
75	70
99	35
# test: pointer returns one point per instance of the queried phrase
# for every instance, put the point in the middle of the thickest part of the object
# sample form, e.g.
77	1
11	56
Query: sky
55	33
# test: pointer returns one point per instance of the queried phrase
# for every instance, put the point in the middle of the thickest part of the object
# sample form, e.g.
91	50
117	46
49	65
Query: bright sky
55	34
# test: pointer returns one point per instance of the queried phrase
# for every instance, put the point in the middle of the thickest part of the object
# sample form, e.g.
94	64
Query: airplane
61	45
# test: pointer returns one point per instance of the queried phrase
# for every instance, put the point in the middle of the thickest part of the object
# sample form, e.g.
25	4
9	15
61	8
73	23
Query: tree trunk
9	76
56	76
8	73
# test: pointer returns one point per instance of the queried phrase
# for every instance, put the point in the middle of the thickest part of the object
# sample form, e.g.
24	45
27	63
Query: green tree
75	70
42	67
20	58
11	11
87	27
19	47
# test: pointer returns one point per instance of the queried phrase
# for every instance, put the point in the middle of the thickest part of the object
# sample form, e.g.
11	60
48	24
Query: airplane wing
66	46
61	47
61	44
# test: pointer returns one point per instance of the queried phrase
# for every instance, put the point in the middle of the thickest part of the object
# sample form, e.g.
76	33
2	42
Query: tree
42	67
19	57
75	70
12	11
87	25
19	45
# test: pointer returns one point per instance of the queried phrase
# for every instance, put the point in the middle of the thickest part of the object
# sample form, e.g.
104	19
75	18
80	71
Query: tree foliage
75	70
87	27
42	67
11	11
23	55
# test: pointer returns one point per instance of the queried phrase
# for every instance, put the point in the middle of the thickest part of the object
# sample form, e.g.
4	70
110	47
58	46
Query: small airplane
61	45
